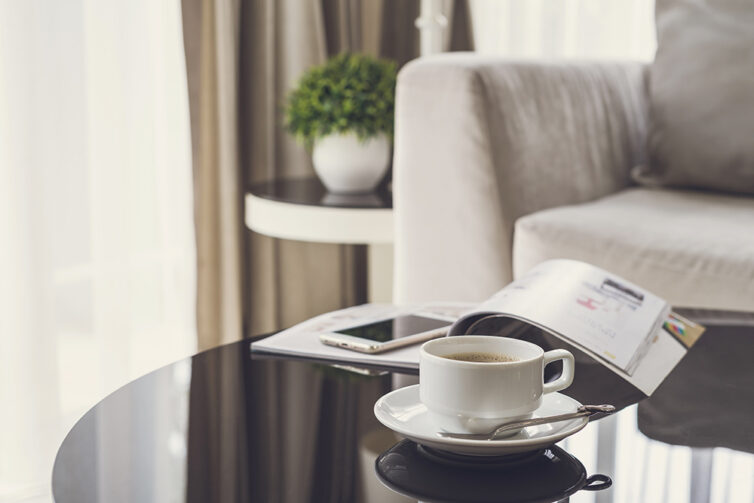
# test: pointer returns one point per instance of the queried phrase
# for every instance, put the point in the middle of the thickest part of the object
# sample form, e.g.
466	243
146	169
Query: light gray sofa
499	165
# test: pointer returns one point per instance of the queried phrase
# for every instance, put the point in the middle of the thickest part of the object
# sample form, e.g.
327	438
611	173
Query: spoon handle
583	411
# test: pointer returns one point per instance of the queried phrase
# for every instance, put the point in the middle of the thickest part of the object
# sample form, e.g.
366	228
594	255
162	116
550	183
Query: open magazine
618	324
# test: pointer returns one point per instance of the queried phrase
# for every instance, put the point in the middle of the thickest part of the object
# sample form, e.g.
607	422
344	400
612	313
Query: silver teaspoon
583	411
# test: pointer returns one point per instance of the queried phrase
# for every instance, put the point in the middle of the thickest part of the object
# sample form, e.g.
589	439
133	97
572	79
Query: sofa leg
701	475
607	446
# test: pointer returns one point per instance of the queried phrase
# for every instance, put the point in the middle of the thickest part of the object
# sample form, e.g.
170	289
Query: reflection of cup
434	475
474	397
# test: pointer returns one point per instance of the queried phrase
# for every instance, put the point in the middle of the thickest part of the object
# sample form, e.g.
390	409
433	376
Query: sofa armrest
480	142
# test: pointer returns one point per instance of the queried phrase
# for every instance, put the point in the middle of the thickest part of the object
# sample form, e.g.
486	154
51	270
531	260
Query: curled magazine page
599	311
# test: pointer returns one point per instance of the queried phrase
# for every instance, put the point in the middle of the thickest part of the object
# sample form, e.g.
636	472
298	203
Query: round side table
302	209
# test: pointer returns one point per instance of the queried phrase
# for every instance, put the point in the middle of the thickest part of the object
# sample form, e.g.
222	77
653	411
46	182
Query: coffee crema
481	357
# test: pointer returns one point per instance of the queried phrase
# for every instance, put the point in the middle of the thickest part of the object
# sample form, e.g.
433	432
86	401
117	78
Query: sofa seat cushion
694	249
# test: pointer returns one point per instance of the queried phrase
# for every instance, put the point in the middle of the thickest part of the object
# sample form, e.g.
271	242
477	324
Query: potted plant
343	112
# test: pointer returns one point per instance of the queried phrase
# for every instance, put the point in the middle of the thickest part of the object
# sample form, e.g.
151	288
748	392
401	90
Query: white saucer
402	412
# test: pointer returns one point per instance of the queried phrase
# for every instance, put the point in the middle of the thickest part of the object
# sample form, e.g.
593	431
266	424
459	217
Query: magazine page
623	327
665	350
608	316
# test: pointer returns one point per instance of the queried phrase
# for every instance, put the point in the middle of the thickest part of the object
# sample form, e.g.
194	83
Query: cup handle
569	367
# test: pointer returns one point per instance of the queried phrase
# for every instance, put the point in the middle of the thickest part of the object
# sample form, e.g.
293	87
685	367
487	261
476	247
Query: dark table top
226	426
310	191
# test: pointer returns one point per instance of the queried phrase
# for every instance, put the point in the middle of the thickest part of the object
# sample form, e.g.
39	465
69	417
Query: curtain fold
286	281
242	59
212	68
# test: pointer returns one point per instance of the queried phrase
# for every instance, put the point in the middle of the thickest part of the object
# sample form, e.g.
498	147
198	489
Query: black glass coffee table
224	426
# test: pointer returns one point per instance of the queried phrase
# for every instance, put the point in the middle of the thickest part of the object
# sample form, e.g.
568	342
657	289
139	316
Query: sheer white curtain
593	29
97	254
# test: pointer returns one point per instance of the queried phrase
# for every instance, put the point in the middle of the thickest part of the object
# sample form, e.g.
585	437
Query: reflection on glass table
426	474
227	426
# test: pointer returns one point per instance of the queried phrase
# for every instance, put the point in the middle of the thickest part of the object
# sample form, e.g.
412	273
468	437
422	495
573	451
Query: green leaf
350	92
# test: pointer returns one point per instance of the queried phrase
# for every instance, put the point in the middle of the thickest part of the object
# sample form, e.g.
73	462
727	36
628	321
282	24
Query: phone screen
394	328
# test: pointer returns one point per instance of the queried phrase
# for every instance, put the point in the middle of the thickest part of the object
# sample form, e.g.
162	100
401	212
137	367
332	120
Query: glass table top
226	425
310	191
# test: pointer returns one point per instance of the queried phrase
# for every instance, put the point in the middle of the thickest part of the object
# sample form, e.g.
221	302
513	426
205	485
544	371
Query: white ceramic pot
346	164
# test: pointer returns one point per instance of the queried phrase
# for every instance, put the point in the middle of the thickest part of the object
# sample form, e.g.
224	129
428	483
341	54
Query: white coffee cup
474	397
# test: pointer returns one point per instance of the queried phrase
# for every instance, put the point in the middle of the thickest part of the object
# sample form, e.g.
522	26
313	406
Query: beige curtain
211	43
288	281
242	58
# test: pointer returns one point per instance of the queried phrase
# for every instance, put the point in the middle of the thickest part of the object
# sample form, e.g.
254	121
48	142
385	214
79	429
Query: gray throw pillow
701	92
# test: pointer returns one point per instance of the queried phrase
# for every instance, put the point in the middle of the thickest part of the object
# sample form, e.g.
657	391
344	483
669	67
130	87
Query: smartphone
391	333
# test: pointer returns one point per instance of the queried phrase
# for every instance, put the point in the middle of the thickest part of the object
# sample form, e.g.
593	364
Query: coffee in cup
472	383
481	357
